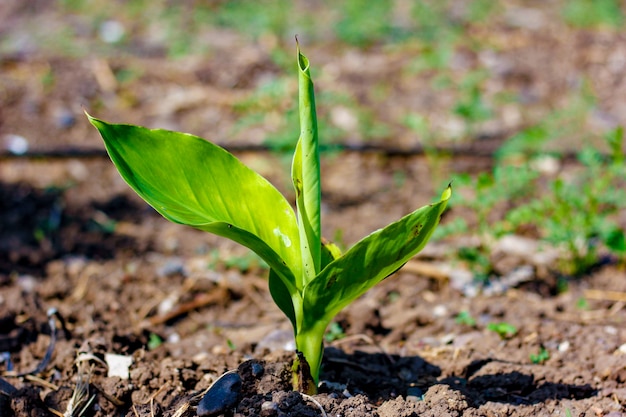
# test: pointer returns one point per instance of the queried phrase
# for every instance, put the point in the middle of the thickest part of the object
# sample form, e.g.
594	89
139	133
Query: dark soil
89	274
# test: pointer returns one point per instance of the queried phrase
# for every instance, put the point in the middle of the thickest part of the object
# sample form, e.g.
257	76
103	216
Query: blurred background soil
506	99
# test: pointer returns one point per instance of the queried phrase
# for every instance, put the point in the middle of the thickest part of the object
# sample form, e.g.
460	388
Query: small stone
440	311
172	266
112	31
16	144
344	118
278	339
269	408
27	283
414	394
64	118
222	396
173	338
257	369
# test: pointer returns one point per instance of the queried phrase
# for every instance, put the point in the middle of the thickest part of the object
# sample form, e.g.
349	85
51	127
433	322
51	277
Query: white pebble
16	144
112	31
269	406
173	338
563	346
440	311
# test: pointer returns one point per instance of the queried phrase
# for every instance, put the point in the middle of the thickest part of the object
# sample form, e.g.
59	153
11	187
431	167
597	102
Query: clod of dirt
398	407
27	402
222	396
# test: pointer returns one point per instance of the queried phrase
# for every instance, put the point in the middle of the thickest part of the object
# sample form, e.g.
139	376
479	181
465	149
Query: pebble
414	394
440	311
172	266
277	340
16	144
111	31
257	370
563	346
173	338
27	283
64	119
344	118
269	408
222	396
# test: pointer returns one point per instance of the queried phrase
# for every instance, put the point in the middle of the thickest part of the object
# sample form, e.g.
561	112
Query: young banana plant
191	181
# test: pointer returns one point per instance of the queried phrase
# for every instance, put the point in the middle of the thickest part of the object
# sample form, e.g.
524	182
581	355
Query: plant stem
310	348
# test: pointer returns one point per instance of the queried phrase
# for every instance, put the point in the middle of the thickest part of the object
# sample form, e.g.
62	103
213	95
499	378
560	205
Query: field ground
187	307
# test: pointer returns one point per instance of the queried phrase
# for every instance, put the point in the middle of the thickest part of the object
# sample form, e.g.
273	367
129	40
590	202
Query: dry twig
605	295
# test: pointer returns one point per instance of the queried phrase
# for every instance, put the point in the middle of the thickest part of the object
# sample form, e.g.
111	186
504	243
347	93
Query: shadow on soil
38	226
382	377
379	376
513	387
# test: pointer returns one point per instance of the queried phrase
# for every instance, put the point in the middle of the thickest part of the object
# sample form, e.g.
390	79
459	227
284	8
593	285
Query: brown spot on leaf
298	186
331	281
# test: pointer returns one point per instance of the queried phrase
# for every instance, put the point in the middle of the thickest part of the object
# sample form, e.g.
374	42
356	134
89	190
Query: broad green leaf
368	262
305	173
191	181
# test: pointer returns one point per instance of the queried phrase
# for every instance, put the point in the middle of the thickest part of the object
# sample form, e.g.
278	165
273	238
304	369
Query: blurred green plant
465	318
334	332
573	211
577	213
540	357
582	304
594	13
363	22
563	124
503	329
471	105
255	18
246	262
488	196
268	107
154	341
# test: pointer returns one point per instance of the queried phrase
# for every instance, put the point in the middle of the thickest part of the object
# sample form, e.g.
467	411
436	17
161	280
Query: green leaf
191	181
505	330
616	240
305	172
368	262
282	296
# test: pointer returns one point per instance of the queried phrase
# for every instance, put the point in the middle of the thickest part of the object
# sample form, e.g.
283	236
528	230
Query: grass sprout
81	398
